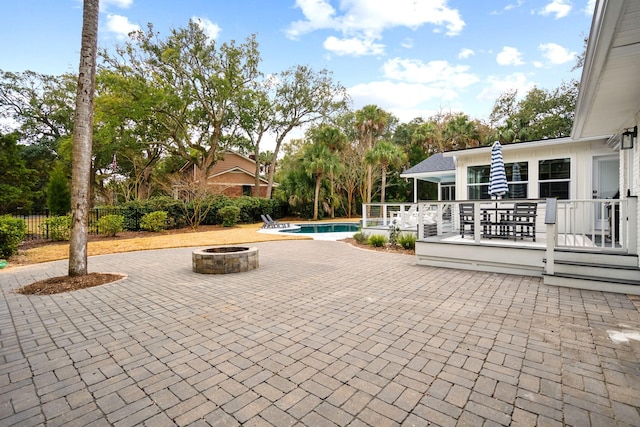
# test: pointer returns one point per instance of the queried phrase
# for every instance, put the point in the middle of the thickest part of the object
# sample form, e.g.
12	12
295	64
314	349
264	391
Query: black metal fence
37	227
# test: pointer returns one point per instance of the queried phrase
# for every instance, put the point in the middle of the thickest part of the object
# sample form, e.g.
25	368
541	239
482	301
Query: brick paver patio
321	334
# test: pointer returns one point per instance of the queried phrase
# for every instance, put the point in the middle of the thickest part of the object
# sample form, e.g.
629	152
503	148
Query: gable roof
236	169
435	168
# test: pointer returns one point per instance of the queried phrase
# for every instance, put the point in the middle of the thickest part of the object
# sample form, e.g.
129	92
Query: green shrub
12	232
407	241
134	210
250	209
377	240
173	208
361	237
58	228
110	225
132	213
58	191
154	221
229	215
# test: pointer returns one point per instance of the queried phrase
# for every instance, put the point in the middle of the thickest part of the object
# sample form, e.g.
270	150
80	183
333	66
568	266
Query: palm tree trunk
317	196
333	211
384	184
82	140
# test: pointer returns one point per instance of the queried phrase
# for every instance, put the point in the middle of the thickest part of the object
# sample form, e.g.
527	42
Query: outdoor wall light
627	138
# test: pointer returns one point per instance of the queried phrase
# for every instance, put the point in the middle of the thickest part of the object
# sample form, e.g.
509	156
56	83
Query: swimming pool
326	228
318	231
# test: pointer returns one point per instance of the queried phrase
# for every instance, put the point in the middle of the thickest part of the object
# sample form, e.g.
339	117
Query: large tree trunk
144	189
272	170
82	140
256	187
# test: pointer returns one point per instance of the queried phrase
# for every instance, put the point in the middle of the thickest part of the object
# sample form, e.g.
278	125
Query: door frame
597	186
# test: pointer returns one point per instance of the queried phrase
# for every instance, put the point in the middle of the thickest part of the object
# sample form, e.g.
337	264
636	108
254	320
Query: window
246	190
554	177
478	182
517	180
448	191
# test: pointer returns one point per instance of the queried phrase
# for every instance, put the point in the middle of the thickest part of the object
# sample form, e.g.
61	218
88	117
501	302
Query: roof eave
604	26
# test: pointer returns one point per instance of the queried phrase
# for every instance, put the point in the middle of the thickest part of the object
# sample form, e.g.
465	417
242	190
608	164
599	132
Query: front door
605	185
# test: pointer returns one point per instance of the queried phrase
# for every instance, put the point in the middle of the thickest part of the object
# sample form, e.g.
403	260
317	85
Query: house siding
233	160
231	174
581	154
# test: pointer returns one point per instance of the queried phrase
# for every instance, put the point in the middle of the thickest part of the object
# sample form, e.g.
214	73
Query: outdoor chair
466	218
266	222
277	223
522	222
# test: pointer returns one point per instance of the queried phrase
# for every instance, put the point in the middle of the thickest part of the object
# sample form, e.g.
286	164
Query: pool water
326	228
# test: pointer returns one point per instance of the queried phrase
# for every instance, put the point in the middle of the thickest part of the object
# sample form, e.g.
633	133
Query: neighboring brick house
233	176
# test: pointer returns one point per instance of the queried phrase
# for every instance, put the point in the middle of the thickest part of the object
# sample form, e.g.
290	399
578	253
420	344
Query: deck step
598	258
606	271
603	284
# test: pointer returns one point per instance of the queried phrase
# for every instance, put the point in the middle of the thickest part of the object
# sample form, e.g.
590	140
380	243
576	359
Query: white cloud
366	20
514	5
590	7
210	29
497	85
120	25
556	54
509	56
508	7
410	87
353	46
465	53
407	43
319	14
439	74
398	94
121	4
560	8
406	101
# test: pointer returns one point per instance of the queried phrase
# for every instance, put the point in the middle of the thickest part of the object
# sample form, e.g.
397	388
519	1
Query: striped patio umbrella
497	175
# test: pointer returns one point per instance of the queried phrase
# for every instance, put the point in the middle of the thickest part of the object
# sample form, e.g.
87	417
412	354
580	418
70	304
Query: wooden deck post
552	234
477	232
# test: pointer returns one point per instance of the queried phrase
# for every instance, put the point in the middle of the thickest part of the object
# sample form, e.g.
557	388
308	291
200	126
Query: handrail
568	224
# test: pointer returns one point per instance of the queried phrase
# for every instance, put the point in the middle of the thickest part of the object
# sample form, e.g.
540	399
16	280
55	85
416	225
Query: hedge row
178	212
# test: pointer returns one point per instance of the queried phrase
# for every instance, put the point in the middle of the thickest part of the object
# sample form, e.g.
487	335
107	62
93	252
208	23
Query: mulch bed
56	285
386	248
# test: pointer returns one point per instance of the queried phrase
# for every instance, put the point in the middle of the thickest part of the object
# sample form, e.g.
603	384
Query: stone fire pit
224	260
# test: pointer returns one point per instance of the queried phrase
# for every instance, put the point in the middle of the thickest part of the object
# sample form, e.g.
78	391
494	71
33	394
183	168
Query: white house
609	98
582	237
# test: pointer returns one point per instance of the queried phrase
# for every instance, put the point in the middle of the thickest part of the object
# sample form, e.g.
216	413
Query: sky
413	58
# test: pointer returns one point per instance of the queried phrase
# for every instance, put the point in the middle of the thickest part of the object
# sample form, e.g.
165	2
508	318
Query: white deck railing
600	224
579	224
